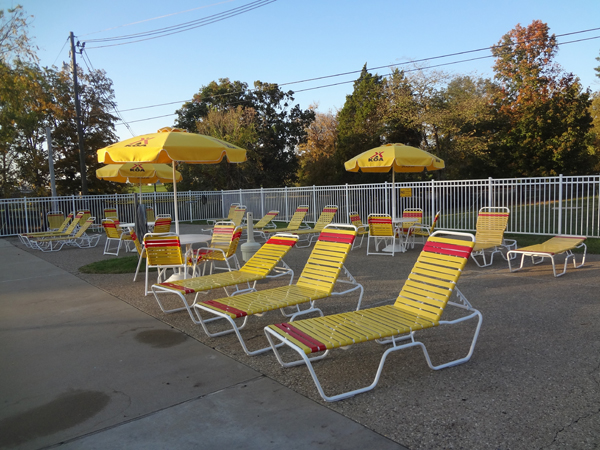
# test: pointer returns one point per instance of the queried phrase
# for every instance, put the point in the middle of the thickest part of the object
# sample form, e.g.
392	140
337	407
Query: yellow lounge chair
79	239
489	237
419	305
69	231
266	222
267	262
229	214
317	281
295	223
324	219
56	221
549	249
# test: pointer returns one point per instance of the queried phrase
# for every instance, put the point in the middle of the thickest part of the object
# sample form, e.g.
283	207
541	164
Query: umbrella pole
175	199
393	194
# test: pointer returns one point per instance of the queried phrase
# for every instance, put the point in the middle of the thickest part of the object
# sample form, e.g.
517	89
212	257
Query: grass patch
126	264
524	240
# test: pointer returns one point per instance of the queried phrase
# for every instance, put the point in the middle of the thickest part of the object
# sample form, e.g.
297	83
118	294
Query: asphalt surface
90	362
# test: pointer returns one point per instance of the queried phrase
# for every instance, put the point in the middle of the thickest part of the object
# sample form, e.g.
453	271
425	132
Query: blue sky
290	40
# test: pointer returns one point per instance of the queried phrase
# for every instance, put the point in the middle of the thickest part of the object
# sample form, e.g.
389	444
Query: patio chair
163	252
141	250
489	236
381	230
324	219
223	245
549	249
422	231
229	215
111	213
410	217
316	282
79	239
420	305
115	235
56	220
266	263
162	224
362	230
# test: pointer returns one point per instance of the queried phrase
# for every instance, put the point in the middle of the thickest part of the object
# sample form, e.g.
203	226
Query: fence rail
547	206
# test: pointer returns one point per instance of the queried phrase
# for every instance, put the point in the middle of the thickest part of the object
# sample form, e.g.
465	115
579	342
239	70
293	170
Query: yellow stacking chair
163	252
229	215
56	220
115	234
79	239
422	231
420	305
324	219
223	245
317	281
111	213
381	230
162	224
361	229
557	245
489	236
410	217
267	262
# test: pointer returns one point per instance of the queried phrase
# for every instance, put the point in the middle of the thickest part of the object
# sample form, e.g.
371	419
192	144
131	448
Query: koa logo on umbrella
378	156
142	142
137	168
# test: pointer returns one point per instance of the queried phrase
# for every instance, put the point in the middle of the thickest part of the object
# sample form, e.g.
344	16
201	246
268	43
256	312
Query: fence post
262	202
560	203
287	209
26	215
315	203
347	204
490	192
73	203
433	208
385	190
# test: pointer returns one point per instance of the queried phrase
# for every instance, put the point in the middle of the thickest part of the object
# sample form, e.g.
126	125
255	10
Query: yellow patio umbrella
172	145
138	173
399	157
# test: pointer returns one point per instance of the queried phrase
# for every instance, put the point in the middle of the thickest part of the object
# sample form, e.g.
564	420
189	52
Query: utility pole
82	166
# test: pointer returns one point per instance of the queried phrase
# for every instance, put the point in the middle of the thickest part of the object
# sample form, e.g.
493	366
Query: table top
132	224
194	238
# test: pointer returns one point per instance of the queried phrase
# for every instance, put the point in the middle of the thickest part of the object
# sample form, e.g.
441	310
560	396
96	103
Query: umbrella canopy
172	145
402	158
138	173
399	157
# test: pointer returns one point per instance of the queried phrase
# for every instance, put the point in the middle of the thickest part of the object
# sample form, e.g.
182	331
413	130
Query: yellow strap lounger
549	249
419	305
267	262
491	224
324	219
317	281
79	239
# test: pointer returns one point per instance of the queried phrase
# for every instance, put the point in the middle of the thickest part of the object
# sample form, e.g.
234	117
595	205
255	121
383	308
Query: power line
167	31
375	68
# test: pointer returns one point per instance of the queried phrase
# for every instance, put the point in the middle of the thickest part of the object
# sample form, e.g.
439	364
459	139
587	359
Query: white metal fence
550	206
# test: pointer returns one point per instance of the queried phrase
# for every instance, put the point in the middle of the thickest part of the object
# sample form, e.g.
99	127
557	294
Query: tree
317	154
15	42
360	126
545	111
276	129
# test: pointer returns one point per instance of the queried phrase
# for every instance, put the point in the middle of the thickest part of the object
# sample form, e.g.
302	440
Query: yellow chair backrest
86	215
491	224
298	217
271	252
433	277
74	223
82	229
435	219
415	215
326	217
150	215
238	215
266	219
56	220
163	250
232	210
111	213
138	245
162	225
226	237
111	228
380	225
327	259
